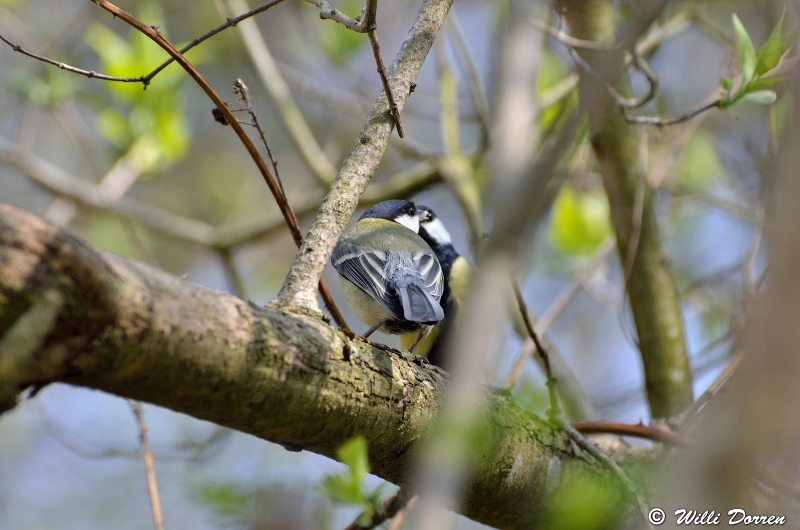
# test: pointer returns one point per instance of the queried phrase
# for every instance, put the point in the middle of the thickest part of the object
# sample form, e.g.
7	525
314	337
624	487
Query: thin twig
229	23
400	518
155	35
477	91
370	22
572	42
244	96
663	434
610	464
149	465
666	122
687	414
326	12
144	79
73	69
386	510
657	433
300	132
456	168
235	282
376	50
554	412
624	104
559	304
749	266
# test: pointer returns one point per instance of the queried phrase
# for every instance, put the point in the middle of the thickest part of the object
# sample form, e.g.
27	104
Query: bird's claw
408	356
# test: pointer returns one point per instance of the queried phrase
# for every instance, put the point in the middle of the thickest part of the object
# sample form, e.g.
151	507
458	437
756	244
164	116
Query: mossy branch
134	331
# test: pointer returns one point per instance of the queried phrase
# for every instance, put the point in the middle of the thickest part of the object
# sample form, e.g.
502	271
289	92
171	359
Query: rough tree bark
107	322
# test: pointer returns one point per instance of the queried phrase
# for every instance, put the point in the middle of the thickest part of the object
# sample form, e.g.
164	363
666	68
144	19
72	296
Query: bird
456	270
390	275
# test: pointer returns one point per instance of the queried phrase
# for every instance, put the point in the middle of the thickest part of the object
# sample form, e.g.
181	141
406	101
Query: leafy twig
386	510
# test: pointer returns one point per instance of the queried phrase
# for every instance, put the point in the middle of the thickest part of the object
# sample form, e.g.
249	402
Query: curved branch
137	332
154	34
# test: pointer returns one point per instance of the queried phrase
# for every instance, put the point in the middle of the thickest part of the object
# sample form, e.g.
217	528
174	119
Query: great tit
456	270
390	275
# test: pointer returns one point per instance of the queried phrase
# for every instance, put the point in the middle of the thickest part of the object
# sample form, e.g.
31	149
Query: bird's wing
366	270
431	271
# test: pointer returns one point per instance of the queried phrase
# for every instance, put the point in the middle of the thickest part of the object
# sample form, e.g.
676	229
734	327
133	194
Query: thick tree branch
137	332
361	162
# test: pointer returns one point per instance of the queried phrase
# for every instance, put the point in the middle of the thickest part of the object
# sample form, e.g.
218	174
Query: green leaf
580	222
770	53
747	53
341	489
347	487
760	97
353	453
765	82
788	39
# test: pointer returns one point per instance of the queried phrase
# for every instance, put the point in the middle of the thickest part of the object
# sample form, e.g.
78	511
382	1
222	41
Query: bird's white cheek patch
410	222
438	232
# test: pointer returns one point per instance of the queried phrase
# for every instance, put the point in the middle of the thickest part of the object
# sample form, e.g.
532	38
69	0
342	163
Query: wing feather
414	296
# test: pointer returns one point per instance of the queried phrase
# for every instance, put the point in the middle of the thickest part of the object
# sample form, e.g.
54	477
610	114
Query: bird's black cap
391	210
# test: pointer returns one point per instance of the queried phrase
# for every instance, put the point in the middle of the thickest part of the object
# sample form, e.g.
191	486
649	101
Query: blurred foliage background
149	174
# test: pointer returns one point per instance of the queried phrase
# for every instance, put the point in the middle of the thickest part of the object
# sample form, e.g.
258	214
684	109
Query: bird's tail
419	305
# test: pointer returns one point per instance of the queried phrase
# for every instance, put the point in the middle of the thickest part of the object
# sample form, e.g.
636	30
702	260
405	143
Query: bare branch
266	66
155	35
477	90
326	12
73	69
145	79
625	104
554	411
376	50
149	464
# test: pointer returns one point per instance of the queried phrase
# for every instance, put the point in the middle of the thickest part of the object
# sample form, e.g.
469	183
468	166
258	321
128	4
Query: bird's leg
375	326
416	341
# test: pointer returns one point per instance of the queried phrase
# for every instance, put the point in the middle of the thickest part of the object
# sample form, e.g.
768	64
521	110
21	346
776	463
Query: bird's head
399	211
431	228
